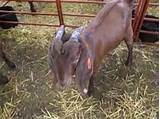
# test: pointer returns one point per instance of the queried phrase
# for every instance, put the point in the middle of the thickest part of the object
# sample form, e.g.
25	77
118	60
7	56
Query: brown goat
111	26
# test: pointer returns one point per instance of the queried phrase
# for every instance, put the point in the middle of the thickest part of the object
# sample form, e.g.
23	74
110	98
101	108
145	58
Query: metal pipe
24	23
29	13
149	32
151	19
144	9
60	14
65	14
136	20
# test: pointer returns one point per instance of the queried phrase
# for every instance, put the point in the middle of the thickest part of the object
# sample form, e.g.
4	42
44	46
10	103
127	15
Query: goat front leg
3	56
129	43
91	85
32	8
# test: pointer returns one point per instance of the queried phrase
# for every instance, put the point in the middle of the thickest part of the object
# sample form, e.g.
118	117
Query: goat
83	52
8	17
32	7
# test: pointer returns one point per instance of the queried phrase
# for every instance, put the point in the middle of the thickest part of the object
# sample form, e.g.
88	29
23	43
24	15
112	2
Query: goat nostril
85	91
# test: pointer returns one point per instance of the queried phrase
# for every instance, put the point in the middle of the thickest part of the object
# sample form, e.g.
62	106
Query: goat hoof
86	93
3	80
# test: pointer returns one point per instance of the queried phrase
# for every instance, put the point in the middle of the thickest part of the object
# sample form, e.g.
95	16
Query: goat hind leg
129	43
129	58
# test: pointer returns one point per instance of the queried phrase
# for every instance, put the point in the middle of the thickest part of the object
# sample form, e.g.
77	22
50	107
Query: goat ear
88	55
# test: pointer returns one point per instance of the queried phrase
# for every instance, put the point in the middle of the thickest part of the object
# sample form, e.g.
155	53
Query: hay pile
120	92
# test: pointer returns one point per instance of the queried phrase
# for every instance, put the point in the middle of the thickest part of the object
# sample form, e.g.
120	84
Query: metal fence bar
29	13
65	14
59	10
85	2
151	4
143	11
78	15
150	32
151	19
137	17
36	24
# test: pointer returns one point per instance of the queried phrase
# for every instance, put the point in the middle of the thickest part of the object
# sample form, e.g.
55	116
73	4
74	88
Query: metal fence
142	6
141	10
